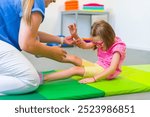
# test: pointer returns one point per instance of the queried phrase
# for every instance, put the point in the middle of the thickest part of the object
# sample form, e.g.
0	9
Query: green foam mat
68	89
141	75
120	86
61	89
145	67
133	79
30	96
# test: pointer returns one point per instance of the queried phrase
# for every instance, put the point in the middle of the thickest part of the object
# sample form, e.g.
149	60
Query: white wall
132	22
129	18
52	21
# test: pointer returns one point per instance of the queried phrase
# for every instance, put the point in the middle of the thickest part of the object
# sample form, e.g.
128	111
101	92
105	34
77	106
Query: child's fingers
86	80
75	25
70	27
83	81
78	42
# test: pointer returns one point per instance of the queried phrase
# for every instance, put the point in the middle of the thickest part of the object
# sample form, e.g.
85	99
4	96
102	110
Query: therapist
19	24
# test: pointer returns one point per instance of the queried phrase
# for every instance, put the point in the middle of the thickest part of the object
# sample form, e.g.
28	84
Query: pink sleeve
121	48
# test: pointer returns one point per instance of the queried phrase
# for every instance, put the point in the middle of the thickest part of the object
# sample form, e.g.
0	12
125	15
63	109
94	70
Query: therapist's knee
33	81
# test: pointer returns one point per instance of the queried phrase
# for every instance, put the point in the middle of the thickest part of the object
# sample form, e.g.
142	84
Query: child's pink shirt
105	57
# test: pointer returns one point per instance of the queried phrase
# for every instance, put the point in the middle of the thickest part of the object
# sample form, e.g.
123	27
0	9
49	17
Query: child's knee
36	80
77	70
33	84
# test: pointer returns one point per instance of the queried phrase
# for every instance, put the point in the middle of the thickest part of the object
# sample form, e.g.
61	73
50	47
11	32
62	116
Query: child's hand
87	80
69	40
79	42
73	30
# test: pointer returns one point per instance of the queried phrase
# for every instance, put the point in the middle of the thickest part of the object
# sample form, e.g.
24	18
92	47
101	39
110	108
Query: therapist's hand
58	53
69	40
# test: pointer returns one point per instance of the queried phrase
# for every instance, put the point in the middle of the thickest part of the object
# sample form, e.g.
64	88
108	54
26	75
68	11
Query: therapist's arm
29	43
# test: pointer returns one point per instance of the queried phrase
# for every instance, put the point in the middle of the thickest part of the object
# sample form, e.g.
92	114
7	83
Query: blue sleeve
38	6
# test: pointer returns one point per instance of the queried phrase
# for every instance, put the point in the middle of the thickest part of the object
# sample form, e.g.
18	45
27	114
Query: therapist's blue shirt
10	17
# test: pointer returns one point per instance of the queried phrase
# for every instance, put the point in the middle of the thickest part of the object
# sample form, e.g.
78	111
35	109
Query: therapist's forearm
45	37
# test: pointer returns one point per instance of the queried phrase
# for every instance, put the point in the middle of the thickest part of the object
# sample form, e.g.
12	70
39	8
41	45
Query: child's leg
73	60
91	72
65	74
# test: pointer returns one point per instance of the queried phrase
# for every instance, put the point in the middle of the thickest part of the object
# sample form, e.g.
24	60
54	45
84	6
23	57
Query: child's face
98	41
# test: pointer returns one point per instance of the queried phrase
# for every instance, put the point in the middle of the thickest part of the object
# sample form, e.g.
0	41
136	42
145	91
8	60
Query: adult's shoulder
39	6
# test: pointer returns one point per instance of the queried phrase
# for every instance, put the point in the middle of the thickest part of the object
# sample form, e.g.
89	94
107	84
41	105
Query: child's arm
82	44
78	41
110	70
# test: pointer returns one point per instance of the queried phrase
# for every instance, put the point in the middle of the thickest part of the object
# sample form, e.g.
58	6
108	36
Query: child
111	53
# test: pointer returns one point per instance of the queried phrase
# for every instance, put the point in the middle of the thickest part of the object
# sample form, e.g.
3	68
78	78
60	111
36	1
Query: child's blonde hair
104	30
27	7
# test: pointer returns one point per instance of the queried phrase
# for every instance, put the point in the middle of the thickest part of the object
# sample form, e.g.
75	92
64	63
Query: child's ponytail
27	7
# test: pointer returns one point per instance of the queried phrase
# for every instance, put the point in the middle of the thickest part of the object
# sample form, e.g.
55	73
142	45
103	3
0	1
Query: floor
134	57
